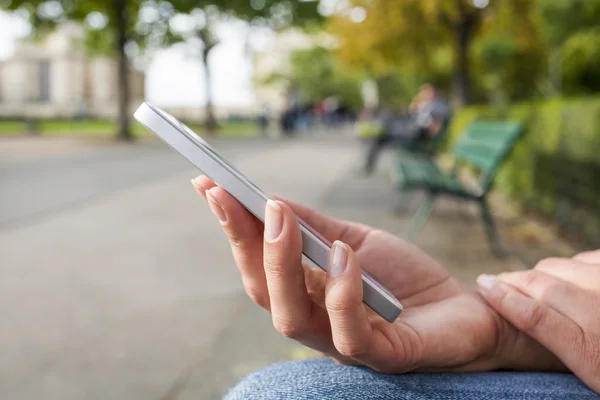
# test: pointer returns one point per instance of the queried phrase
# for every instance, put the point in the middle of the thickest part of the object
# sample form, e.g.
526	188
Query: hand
557	304
444	326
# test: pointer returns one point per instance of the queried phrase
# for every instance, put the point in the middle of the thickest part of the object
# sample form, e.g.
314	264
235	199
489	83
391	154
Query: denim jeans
323	379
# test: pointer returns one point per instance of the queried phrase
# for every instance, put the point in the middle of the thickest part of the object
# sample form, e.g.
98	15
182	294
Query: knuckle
243	240
238	244
550	263
281	270
271	265
274	268
498	299
533	316
530	278
351	349
258	297
340	307
289	329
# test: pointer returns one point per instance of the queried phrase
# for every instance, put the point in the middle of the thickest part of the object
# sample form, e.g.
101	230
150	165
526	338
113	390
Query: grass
103	128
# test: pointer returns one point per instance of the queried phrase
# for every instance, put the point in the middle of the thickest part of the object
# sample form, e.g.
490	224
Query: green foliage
104	128
566	131
517	50
316	75
560	19
581	63
369	129
497	50
45	14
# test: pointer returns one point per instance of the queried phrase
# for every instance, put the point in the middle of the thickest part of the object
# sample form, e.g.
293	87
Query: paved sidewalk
25	147
134	295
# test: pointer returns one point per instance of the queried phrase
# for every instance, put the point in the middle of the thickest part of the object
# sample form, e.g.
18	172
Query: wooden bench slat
483	146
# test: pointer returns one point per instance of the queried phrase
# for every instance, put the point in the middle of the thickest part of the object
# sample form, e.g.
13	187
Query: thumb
350	327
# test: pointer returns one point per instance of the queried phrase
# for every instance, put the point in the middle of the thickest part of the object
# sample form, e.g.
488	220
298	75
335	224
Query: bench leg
420	219
491	230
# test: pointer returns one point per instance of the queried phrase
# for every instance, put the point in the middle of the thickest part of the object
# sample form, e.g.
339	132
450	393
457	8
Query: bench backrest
434	144
485	145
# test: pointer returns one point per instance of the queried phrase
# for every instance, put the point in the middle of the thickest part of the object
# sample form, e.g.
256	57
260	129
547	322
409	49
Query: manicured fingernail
216	207
339	259
196	181
197	187
487	282
273	221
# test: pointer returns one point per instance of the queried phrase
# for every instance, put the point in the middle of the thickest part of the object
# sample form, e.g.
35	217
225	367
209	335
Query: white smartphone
314	246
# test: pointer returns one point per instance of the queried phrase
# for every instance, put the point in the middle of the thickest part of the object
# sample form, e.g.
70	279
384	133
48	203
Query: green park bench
482	148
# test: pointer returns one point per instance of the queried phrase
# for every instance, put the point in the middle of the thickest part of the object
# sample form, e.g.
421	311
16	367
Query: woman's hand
445	325
557	304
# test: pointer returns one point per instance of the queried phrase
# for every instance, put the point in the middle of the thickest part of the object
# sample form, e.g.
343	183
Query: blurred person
540	327
304	121
288	121
331	105
263	121
428	113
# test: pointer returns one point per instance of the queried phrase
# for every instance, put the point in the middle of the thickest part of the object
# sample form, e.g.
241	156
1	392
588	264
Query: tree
462	19
429	39
315	74
203	15
120	18
560	21
509	55
411	32
145	23
200	37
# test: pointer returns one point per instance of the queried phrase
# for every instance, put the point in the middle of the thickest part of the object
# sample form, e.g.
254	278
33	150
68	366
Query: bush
369	129
555	167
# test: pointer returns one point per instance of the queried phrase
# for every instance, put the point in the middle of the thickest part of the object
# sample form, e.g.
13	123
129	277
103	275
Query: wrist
519	352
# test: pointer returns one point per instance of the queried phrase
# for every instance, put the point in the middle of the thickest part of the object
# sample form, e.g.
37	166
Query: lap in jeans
323	379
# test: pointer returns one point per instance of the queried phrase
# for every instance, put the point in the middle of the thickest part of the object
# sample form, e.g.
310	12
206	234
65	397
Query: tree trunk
210	122
123	132
462	81
555	62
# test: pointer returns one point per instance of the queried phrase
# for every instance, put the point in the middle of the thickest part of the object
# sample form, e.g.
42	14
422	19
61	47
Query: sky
173	77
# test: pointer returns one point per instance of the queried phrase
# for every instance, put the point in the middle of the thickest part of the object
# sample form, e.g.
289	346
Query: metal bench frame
482	148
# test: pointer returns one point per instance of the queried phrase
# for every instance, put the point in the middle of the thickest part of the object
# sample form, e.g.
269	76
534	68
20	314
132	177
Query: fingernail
487	282
215	207
273	221
197	187
339	259
195	181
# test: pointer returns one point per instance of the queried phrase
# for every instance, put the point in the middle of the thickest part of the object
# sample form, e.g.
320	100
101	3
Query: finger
562	296
552	329
589	257
246	237
294	314
201	184
315	285
330	228
574	271
351	329
291	307
244	232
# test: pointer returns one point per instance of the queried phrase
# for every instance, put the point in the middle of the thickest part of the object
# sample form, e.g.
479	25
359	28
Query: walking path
131	293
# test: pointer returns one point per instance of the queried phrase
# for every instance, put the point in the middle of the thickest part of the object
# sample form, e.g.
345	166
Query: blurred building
55	78
275	61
